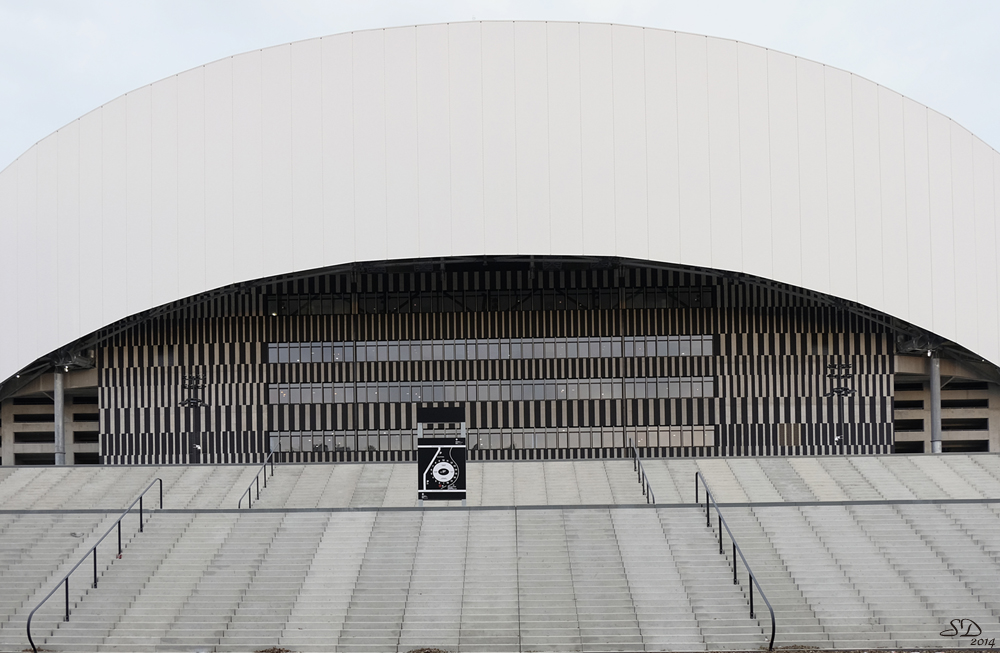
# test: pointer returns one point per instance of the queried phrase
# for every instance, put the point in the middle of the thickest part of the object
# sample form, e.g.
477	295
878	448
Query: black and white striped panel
770	364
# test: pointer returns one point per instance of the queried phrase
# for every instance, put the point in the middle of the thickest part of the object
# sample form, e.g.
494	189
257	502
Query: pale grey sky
61	58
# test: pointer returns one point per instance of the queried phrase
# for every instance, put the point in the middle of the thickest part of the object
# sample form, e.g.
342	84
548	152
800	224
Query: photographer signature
967	628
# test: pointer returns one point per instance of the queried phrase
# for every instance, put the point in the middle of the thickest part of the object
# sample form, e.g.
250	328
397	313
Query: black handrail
93	550
256	479
647	489
736	549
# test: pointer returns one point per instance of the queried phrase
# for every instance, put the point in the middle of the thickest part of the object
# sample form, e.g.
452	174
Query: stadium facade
586	235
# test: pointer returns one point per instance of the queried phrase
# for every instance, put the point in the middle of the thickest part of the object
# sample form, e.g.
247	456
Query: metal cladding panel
784	159
987	267
26	317
67	248
499	127
942	223
401	162
996	208
501	138
191	178
892	199
564	146
219	169
917	207
338	148
307	154
138	200
531	113
867	187
46	316
466	128
9	358
91	244
630	175
117	260
963	200
276	150
840	185
597	139
433	141
163	192
693	149
662	164
724	151
248	168
755	165
814	205
370	188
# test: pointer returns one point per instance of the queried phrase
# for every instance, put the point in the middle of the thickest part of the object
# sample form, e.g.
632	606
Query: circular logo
444	472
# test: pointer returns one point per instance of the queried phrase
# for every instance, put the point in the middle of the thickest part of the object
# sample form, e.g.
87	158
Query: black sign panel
440	469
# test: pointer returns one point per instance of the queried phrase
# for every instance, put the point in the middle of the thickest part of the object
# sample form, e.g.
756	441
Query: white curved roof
500	138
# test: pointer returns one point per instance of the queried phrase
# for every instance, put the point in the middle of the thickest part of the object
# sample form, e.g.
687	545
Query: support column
935	404
59	417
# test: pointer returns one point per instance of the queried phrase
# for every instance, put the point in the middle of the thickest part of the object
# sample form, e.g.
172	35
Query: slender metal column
935	404
60	417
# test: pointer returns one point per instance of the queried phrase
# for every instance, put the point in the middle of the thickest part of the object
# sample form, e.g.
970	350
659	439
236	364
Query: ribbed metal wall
769	365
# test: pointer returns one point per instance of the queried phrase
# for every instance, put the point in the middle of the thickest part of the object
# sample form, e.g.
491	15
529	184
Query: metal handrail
647	489
736	550
256	479
93	550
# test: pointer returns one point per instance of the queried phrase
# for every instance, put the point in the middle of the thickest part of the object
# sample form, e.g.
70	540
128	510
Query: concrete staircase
558	555
484	580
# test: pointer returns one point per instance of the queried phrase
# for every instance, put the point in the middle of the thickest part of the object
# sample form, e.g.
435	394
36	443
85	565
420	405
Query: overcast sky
60	59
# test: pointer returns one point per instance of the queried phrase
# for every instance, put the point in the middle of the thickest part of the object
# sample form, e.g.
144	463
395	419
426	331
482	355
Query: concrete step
547	578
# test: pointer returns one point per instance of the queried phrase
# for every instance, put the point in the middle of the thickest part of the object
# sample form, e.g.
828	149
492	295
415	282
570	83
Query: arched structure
520	141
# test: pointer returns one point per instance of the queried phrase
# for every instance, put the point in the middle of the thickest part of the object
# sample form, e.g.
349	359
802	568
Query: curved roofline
464	22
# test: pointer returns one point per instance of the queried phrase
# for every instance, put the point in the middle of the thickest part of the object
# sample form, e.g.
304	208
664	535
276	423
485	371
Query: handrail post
161	492
31	641
696	488
770	646
257	482
735	581
66	584
140	513
751	595
720	534
95	567
119	538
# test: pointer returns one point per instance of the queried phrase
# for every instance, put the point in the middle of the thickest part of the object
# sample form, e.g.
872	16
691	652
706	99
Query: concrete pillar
59	417
935	404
